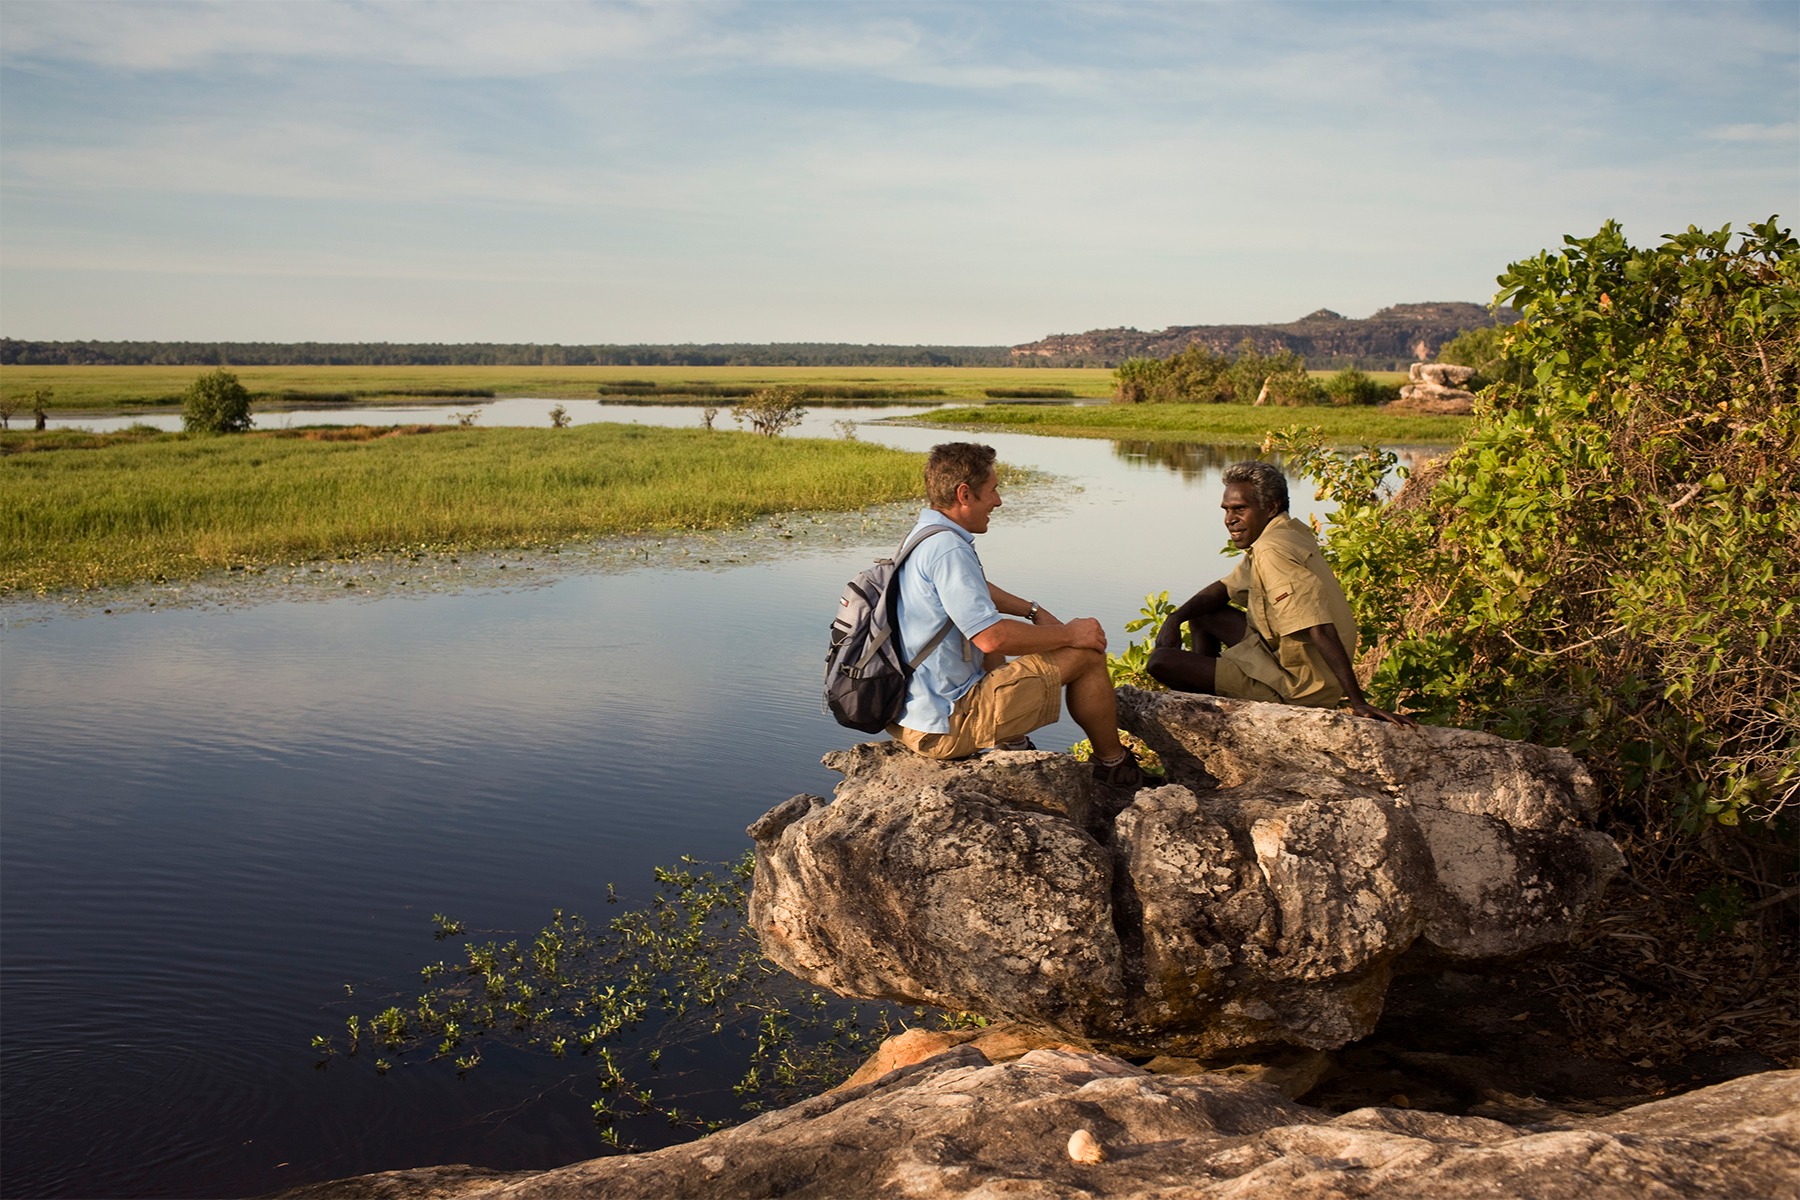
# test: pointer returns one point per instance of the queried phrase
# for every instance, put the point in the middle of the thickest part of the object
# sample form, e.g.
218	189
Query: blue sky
971	173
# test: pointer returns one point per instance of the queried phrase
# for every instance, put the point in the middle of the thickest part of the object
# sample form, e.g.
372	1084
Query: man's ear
960	497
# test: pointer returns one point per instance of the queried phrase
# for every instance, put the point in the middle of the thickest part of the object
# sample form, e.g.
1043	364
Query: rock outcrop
1384	341
1437	389
1262	898
1062	1124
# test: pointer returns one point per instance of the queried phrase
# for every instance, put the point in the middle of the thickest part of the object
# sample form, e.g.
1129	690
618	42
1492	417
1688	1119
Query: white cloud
474	39
1788	131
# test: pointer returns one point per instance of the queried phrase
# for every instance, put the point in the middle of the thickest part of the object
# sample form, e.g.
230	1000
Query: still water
216	818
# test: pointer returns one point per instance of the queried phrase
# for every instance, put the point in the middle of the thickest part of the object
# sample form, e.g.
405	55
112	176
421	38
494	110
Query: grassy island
1200	422
112	388
86	510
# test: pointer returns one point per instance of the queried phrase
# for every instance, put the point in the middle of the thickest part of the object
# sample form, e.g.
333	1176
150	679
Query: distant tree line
20	352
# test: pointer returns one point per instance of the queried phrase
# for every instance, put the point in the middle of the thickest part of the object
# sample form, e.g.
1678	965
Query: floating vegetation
625	390
666	1003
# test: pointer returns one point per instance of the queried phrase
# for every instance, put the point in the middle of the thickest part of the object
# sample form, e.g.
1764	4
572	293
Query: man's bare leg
1090	698
1195	670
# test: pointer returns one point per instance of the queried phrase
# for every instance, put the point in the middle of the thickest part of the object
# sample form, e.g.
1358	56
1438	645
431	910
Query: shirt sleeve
1237	584
1292	593
955	571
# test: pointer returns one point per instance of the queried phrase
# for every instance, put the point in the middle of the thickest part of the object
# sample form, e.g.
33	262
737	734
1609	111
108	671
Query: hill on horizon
1390	340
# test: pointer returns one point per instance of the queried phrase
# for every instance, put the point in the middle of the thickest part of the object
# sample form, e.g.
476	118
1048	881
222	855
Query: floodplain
86	388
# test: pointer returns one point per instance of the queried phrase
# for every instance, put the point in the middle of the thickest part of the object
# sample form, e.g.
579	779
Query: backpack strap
900	556
912	543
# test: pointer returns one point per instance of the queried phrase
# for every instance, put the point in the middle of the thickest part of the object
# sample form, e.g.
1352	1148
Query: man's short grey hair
1265	481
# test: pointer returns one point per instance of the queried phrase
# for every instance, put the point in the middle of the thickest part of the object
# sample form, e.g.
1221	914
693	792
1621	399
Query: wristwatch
1032	612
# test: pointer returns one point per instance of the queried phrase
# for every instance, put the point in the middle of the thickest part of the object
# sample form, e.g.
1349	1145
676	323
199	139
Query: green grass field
91	389
1238	423
108	509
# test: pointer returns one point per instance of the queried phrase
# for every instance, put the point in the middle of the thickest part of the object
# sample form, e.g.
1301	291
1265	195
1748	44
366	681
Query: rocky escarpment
1061	1124
1387	340
1263	898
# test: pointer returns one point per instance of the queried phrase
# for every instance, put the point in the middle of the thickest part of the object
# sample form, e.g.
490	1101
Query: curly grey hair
1265	481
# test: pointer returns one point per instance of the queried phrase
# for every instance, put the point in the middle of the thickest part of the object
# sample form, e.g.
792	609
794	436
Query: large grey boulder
1437	389
1056	1124
1262	898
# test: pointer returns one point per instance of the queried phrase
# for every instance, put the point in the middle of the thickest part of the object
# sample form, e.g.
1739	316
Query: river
228	807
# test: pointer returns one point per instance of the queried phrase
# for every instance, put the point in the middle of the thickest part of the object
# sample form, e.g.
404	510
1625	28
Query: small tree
8	406
771	410
559	417
216	403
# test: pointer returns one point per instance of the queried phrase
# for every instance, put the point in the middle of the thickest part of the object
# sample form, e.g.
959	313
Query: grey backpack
866	671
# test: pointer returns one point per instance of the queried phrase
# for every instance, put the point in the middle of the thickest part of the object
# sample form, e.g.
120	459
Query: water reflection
1190	460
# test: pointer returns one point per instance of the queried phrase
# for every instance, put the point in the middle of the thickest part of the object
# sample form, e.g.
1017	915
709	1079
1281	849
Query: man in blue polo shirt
966	696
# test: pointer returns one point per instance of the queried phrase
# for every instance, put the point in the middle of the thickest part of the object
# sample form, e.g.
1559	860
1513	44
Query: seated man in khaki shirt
1278	627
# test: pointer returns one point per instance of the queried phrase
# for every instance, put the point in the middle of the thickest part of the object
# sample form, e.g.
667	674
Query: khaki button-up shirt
1285	586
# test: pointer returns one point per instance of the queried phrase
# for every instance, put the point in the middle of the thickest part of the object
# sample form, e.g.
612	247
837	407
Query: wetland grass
102	389
91	510
1237	423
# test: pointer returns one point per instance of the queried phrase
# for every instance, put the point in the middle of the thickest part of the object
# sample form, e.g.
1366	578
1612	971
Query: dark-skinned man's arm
1324	638
1208	599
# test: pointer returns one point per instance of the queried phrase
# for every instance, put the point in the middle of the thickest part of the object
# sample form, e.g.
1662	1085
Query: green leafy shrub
1278	378
1131	666
1194	376
1351	386
1197	375
216	403
1608	561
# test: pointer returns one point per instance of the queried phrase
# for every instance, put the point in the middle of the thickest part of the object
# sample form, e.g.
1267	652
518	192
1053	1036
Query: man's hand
1363	708
1013	638
1085	633
1331	649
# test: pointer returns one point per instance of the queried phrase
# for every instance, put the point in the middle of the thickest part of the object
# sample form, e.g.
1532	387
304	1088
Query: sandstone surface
1263	898
958	1125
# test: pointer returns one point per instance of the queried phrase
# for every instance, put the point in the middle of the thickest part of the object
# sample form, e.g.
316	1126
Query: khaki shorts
1009	702
1231	679
1236	674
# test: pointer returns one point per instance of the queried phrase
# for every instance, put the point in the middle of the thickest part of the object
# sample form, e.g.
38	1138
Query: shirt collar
931	516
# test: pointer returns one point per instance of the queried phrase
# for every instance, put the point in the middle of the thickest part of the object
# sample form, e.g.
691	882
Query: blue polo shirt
942	578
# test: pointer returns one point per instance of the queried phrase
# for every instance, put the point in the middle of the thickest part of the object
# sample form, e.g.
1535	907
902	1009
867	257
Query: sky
973	173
